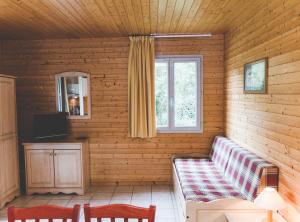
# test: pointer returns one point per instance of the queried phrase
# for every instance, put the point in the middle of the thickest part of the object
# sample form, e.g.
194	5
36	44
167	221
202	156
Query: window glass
185	94
161	94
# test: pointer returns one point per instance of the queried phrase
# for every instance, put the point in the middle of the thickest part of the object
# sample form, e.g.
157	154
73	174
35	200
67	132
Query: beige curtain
141	97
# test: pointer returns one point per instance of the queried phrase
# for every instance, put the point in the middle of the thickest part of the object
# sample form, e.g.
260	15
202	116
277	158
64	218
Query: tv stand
57	166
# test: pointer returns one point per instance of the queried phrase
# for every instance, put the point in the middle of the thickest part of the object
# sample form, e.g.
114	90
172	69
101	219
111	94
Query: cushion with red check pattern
201	181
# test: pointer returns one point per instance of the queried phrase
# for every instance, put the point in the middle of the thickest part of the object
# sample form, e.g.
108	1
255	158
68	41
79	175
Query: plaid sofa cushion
201	181
190	165
250	173
221	150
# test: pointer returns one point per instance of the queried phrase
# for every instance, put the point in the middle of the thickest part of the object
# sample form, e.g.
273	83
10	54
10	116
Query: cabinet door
7	107
67	164
9	167
39	168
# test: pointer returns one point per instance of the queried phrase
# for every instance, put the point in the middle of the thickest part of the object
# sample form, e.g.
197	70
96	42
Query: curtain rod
181	35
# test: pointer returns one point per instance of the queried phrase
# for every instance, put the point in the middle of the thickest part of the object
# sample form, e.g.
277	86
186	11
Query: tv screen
50	126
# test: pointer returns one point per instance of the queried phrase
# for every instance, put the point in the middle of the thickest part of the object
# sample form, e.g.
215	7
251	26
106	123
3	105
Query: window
178	94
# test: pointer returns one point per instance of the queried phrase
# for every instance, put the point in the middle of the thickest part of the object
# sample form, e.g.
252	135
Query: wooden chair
123	211
43	212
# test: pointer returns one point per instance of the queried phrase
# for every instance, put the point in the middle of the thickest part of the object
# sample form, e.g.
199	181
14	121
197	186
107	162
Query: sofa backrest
221	151
250	173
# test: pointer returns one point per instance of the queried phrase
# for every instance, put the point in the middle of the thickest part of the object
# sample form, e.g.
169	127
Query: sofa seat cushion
191	165
202	181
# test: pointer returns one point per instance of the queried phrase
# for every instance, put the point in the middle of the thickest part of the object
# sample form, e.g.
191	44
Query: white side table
250	217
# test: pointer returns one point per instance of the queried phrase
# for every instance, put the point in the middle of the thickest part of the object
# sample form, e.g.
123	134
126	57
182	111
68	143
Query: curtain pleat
141	95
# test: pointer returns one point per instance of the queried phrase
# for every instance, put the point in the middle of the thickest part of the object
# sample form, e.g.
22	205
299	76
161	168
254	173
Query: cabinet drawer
52	146
65	146
38	146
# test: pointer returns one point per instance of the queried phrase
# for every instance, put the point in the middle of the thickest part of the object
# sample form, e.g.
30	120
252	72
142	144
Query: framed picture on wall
255	77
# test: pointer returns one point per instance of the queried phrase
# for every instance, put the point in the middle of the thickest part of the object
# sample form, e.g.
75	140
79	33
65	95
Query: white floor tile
3	213
102	196
165	213
87	196
18	203
105	189
62	197
94	203
117	201
141	196
161	188
141	189
122	196
124	189
36	202
161	196
141	203
43	197
62	203
81	202
162	219
163	204
24	198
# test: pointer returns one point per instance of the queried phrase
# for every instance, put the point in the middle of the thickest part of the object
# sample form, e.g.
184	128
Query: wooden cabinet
57	167
9	161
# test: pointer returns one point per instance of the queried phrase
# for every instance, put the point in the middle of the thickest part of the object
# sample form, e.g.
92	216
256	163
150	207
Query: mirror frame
74	74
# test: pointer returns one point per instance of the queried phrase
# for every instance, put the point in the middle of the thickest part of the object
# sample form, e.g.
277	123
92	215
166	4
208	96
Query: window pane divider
171	96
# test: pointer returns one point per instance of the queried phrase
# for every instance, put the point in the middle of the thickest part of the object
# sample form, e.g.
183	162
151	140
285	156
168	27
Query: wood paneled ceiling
40	19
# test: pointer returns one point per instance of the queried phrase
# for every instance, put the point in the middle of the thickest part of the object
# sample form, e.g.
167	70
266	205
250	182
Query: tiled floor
160	196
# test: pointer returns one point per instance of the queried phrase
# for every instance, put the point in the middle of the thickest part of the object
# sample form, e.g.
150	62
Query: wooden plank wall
115	158
268	124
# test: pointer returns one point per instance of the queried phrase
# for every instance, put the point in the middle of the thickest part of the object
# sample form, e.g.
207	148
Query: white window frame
171	128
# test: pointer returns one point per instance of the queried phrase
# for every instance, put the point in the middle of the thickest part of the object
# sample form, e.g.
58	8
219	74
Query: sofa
228	179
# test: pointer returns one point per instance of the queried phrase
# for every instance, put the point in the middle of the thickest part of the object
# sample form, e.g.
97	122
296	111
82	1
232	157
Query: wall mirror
73	94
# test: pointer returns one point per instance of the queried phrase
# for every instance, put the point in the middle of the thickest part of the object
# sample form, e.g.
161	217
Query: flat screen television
49	126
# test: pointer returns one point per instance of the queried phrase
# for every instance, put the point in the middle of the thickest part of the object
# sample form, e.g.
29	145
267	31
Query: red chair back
43	212
119	211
